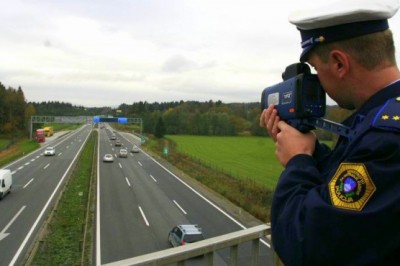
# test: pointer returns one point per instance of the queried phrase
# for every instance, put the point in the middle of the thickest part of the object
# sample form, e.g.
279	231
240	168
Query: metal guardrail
206	247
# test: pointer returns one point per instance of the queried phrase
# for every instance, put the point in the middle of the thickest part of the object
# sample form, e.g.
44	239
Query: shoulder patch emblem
351	187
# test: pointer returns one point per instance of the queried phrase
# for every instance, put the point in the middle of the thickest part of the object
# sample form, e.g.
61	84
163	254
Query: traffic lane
31	199
147	240
24	173
160	213
200	210
119	234
131	193
190	199
211	217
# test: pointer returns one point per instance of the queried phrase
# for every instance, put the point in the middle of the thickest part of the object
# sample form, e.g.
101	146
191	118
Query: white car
135	149
108	158
123	153
50	151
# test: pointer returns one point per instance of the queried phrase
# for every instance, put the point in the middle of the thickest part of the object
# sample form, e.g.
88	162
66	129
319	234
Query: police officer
342	206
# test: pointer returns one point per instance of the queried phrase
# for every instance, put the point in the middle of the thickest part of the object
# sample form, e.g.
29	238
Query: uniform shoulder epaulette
388	116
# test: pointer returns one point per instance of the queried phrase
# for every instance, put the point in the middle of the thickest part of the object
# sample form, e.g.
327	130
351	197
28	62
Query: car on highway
185	233
108	158
118	143
50	151
113	137
123	153
135	149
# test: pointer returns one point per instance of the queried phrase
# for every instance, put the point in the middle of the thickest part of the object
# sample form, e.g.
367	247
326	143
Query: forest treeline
178	117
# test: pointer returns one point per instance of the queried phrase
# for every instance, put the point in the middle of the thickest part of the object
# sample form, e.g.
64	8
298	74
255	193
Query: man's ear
339	63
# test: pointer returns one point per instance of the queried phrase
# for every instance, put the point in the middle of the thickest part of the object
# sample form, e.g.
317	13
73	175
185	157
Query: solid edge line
98	248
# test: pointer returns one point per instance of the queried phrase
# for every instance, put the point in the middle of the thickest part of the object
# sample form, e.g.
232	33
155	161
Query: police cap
341	20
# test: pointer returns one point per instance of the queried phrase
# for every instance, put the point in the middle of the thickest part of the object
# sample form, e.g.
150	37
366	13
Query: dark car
118	143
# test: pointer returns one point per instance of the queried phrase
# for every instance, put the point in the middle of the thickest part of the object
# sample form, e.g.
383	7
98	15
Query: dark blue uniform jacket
342	207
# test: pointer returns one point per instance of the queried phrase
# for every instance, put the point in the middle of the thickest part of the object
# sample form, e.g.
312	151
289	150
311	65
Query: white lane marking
140	163
144	216
47	165
68	147
120	166
13	172
127	181
19	168
27	184
27	163
3	233
155	180
176	203
59	154
33	160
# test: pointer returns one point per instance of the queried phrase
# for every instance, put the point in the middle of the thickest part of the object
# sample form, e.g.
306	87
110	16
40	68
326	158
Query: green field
242	157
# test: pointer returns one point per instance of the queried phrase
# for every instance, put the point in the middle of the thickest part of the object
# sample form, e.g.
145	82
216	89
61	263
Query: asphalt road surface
37	180
140	201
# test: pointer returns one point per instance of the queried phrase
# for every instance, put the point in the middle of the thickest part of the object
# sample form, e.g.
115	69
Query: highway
139	201
37	180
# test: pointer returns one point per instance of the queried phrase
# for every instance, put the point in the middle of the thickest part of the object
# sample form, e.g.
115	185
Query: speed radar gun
301	101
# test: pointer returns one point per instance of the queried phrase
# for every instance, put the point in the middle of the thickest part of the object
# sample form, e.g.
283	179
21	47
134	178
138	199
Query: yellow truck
48	131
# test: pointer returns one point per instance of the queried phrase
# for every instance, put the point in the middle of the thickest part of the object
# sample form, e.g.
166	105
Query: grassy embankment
16	150
67	239
242	169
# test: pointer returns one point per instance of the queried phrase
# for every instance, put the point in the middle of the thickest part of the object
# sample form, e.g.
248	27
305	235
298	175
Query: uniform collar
378	99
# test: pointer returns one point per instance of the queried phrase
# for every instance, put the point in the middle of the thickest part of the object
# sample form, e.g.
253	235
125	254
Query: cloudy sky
104	53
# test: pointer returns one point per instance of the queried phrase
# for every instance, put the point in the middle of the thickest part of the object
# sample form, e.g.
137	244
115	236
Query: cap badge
311	41
351	187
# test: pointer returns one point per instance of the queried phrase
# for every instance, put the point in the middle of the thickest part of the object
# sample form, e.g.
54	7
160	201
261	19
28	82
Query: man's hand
289	141
269	119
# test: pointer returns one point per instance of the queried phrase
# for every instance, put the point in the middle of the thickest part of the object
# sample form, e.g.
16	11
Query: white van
5	182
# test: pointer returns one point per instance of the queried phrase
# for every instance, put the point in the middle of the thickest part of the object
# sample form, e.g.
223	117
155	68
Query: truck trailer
40	135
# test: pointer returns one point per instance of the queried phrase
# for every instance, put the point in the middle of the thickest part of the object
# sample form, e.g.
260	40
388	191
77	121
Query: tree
159	131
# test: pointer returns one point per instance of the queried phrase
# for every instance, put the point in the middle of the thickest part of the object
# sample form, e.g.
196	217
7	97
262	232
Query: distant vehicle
40	136
185	233
108	158
123	153
5	182
135	149
113	137
50	151
48	131
118	142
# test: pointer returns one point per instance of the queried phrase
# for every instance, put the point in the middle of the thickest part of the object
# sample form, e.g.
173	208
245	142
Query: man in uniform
342	206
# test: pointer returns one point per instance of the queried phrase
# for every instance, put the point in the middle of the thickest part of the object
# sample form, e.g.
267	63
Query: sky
105	53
